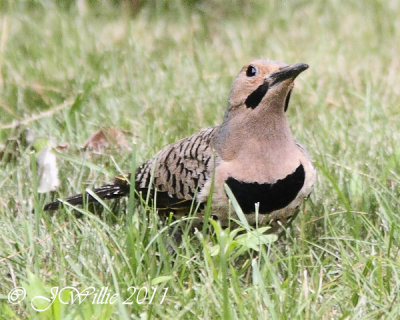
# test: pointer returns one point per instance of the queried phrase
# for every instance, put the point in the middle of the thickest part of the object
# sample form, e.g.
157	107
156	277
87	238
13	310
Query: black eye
251	71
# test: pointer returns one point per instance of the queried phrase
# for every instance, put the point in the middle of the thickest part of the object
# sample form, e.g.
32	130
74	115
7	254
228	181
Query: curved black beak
288	72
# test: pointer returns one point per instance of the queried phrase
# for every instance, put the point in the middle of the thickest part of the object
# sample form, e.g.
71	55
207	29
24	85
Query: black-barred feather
109	191
180	170
178	173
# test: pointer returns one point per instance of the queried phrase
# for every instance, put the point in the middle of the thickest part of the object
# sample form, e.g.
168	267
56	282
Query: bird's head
263	86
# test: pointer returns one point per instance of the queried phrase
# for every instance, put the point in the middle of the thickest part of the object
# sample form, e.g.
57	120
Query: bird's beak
289	72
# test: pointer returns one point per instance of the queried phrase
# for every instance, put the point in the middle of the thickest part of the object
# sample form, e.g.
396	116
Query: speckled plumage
181	167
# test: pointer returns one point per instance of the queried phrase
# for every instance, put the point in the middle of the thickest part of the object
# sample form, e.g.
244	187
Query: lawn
157	71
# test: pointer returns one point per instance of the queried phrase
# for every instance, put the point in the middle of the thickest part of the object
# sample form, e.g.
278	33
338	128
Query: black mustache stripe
254	99
287	100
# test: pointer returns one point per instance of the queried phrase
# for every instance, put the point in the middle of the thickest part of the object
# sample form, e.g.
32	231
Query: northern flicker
252	151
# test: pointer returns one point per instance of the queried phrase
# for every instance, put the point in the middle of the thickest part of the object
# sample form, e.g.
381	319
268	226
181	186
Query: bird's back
178	171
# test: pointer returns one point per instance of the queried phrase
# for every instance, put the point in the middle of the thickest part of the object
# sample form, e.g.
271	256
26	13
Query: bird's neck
257	136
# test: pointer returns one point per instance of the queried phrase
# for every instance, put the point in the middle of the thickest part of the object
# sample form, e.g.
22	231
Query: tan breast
254	170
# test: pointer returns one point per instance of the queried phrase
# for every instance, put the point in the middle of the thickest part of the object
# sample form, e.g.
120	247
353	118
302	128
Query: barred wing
180	170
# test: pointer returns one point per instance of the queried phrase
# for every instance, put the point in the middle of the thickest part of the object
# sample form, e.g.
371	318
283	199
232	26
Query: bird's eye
251	71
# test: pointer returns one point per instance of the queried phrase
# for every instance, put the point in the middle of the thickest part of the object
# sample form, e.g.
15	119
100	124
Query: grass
162	73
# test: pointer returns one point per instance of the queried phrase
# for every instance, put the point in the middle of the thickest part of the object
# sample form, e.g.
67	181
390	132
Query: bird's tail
109	191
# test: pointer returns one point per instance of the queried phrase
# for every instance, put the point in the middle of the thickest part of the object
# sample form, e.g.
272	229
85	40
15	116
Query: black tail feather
109	191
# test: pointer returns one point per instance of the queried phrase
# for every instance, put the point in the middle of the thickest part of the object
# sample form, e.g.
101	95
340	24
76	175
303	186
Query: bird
252	151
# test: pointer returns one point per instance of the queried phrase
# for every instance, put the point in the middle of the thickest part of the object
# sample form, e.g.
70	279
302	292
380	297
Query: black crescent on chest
272	196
